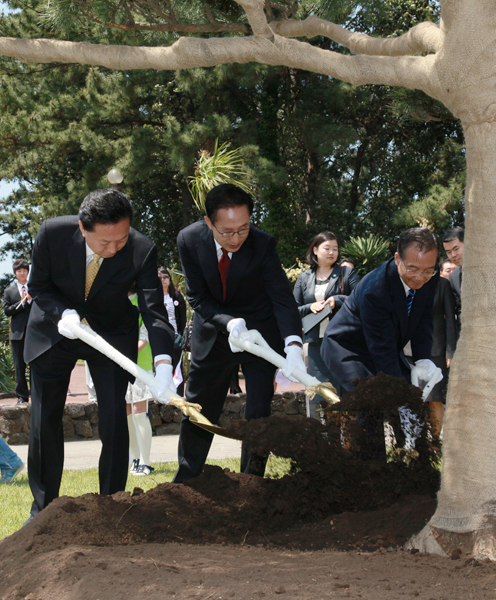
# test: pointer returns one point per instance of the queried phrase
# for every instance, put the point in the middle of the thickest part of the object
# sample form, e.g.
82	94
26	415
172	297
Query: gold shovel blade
193	412
216	429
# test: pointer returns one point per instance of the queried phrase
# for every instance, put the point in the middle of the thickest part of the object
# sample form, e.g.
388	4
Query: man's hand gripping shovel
253	342
436	377
87	335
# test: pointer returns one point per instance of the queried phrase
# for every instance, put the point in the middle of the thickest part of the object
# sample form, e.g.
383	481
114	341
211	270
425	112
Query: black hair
453	234
348	260
226	195
320	238
446	260
423	238
20	263
104	207
172	287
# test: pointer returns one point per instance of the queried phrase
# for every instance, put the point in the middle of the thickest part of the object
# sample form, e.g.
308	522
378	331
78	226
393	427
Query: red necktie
224	263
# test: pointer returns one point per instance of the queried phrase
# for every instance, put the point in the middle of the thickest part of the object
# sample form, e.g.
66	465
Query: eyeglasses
229	234
418	273
163	277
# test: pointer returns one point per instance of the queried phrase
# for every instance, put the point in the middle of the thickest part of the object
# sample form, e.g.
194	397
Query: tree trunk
467	499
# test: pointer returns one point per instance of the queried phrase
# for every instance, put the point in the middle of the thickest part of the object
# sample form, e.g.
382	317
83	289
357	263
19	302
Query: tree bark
467	499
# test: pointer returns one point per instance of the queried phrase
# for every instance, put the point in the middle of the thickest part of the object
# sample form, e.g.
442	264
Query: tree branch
412	72
424	37
264	47
256	17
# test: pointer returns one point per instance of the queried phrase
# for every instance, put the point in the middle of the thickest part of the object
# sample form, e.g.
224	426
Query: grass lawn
16	499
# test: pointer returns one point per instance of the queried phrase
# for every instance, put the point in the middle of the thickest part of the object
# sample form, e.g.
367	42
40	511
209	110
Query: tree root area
330	505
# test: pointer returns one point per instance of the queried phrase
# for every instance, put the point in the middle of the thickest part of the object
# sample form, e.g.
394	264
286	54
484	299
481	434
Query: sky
5	188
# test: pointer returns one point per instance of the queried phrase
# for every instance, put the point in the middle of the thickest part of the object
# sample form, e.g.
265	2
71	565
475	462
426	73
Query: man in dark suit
234	282
17	304
83	269
391	306
453	243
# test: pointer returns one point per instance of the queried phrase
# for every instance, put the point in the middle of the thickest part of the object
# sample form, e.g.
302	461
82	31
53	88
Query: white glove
294	360
236	327
163	383
68	316
424	369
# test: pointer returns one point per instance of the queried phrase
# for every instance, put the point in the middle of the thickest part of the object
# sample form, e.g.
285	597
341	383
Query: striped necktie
91	272
409	300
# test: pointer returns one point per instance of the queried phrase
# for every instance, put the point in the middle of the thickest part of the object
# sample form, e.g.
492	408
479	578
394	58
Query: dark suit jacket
257	289
369	332
19	313
57	282
443	313
180	312
455	279
304	293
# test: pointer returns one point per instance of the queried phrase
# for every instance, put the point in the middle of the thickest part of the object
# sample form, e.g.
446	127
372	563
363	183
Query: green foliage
321	153
220	166
367	253
7	382
296	270
439	210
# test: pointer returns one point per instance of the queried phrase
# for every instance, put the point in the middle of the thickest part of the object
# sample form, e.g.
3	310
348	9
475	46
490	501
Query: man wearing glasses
234	283
390	307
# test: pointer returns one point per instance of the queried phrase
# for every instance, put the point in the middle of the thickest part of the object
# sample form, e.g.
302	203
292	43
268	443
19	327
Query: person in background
346	262
453	246
137	398
447	267
444	336
17	305
176	309
10	463
325	284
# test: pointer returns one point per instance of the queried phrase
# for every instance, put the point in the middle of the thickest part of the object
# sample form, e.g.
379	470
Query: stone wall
81	420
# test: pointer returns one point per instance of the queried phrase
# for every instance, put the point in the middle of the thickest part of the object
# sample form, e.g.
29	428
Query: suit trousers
208	384
21	384
50	375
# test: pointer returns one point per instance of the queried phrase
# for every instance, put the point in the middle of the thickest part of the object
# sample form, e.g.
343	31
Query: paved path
84	454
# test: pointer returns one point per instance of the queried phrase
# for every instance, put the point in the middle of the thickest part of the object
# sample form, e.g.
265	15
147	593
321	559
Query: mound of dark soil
221	506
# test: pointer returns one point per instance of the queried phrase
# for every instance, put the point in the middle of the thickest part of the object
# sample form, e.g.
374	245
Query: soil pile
221	506
322	503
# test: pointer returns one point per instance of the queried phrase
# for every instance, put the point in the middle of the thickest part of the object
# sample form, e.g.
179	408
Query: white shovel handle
263	350
87	335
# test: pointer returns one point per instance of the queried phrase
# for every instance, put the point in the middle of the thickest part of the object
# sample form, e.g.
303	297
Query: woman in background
138	396
176	310
325	284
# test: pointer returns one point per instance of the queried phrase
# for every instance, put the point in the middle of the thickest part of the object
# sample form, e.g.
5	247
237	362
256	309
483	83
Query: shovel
253	342
87	335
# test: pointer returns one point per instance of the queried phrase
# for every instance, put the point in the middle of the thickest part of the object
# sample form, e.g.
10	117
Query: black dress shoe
22	400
